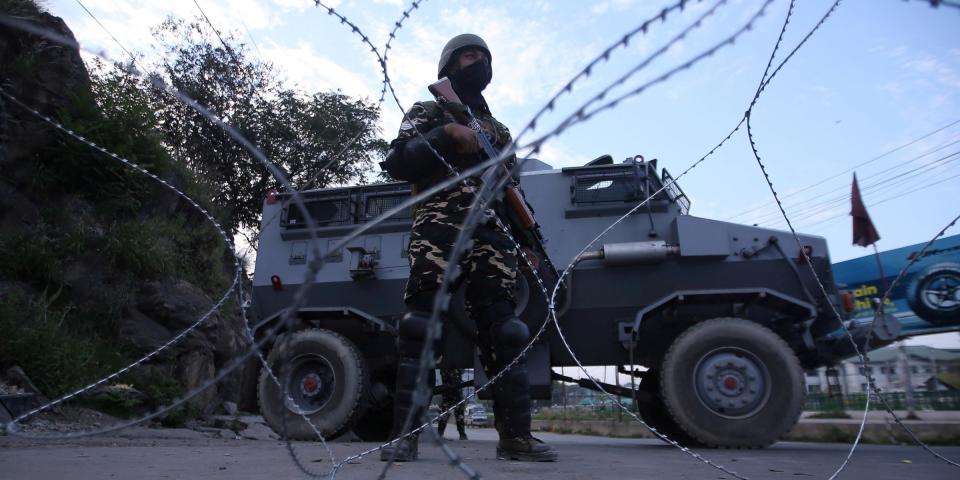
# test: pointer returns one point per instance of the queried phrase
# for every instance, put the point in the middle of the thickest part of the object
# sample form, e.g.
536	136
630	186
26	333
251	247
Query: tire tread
666	372
298	429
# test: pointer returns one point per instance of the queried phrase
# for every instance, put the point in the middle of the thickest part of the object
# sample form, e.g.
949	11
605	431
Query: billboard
927	298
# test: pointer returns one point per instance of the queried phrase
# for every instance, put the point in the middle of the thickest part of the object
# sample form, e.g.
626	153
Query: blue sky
879	74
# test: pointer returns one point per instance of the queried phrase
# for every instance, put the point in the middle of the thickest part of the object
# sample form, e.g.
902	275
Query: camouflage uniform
452	395
491	264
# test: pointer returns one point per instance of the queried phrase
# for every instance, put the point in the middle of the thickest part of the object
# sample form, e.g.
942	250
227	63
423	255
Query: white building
890	370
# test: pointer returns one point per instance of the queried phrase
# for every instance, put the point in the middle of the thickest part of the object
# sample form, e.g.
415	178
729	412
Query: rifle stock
443	92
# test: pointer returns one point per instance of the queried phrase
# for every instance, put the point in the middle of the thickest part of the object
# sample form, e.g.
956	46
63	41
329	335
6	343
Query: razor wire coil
580	116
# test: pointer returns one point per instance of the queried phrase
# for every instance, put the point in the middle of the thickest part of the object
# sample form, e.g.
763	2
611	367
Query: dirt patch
66	419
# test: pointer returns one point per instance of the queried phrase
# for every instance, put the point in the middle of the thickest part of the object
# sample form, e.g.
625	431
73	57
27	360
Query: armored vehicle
724	317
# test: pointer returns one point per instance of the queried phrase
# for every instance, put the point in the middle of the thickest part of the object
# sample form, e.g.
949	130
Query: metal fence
897	400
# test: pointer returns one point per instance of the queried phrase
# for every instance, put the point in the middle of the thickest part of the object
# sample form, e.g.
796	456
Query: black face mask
474	78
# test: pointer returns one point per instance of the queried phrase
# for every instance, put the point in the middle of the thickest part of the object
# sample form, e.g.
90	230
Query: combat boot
405	450
525	448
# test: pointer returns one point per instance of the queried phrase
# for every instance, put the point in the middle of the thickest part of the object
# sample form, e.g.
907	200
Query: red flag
864	233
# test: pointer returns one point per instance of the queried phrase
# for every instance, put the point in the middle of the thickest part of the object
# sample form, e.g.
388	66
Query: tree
300	133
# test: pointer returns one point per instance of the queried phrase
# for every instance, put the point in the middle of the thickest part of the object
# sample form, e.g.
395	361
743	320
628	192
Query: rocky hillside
99	264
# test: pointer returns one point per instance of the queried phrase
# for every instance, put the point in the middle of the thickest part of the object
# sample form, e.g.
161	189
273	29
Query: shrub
59	353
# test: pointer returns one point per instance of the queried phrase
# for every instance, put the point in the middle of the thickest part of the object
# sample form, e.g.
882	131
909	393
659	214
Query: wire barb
484	195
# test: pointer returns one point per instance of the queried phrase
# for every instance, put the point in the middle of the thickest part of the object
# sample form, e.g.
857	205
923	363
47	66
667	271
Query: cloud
612	5
315	72
131	23
301	5
933	67
527	68
558	155
600	8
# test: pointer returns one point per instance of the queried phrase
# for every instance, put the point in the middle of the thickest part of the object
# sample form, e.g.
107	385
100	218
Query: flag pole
883	277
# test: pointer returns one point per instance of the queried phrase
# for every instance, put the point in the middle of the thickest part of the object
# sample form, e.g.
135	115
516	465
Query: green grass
612	413
57	352
830	414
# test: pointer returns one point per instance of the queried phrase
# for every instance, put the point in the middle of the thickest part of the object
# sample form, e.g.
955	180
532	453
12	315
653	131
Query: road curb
881	432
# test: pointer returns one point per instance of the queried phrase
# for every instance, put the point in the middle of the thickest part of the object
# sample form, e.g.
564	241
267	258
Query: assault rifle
519	211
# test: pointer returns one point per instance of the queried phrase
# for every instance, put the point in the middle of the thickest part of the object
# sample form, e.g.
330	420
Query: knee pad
511	334
413	327
412	334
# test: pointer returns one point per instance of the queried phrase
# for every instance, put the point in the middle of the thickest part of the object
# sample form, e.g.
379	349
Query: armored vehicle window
605	189
378	204
325	212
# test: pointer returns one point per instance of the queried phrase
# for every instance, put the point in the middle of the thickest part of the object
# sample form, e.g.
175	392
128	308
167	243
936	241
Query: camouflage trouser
449	398
489	267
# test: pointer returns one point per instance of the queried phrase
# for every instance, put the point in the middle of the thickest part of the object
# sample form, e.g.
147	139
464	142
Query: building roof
919	352
951	380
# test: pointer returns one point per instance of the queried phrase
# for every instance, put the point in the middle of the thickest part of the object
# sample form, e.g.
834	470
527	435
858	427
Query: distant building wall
888	371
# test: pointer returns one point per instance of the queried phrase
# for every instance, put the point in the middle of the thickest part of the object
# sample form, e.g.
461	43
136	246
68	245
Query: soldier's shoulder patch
432	110
421	113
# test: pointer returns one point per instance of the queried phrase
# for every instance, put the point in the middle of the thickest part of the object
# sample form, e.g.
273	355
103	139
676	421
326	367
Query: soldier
489	266
452	395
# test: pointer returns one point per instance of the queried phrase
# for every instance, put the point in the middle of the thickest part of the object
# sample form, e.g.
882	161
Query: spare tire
323	377
934	294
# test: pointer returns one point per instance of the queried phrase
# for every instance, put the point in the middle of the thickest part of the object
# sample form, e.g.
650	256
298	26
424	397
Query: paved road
146	454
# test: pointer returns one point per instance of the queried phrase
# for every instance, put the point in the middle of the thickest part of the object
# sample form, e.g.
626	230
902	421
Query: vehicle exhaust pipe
632	253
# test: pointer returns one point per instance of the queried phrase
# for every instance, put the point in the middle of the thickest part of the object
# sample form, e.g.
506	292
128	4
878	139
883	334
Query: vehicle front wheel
322	375
729	382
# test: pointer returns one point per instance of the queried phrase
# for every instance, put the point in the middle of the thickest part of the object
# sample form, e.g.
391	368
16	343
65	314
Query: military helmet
456	43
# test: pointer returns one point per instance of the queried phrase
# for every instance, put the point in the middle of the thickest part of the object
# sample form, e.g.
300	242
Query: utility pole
563	393
908	381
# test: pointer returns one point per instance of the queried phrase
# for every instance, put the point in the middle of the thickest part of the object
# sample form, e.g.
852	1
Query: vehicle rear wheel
322	375
717	383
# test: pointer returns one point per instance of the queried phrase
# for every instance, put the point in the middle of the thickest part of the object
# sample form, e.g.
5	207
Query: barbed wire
860	354
582	115
514	359
848	170
941	3
383	91
441	299
157	83
626	215
893	181
133	57
897	196
810	207
579	118
763	82
180	335
823	290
